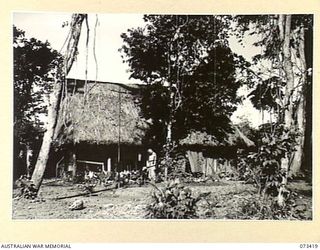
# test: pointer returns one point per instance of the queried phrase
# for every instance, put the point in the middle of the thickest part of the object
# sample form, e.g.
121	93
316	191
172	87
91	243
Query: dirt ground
130	202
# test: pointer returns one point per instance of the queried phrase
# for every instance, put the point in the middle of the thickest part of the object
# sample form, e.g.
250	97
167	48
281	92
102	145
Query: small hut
100	128
210	156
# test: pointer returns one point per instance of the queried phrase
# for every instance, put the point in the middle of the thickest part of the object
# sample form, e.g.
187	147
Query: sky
47	26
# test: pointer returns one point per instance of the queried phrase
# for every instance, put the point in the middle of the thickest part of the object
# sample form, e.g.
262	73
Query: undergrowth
174	201
255	208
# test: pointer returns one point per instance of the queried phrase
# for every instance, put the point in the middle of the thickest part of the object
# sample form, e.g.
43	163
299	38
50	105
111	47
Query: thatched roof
202	139
94	117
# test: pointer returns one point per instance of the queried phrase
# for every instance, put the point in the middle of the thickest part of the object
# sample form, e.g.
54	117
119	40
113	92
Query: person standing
151	164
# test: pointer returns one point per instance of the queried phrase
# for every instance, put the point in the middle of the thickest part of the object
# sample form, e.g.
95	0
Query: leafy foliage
33	61
293	72
268	209
168	42
268	94
210	91
266	27
174	161
173	202
155	101
189	55
263	167
27	189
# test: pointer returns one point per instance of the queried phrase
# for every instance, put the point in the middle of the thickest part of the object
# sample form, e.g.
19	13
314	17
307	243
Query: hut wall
129	156
211	161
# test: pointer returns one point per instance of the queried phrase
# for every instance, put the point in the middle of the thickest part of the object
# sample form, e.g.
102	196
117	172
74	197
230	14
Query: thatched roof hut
202	139
100	113
100	127
209	155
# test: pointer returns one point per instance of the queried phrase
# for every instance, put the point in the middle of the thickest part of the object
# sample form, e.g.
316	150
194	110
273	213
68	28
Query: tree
210	94
155	101
33	60
61	71
189	55
287	49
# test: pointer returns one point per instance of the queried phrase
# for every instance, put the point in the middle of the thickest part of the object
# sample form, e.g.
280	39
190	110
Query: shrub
268	209
263	167
26	188
174	161
175	201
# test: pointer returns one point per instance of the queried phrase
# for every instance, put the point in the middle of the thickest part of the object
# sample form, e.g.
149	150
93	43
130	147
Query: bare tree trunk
40	167
298	154
301	110
287	65
54	101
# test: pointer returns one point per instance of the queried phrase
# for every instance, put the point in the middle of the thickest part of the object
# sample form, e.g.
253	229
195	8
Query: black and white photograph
162	116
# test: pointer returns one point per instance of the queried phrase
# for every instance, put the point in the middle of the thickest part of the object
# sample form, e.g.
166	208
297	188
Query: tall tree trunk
285	31
307	156
42	160
301	109
287	66
298	154
54	101
169	136
292	85
285	34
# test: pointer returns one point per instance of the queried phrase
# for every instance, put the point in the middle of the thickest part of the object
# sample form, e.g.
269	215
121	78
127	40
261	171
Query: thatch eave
235	139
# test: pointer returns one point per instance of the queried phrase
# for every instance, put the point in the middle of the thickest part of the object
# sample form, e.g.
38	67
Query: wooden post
215	165
28	160
74	164
109	164
119	128
225	165
139	161
206	167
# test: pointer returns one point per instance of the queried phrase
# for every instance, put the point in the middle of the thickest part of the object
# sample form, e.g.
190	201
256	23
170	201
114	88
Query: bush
173	202
263	167
26	188
176	163
268	209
